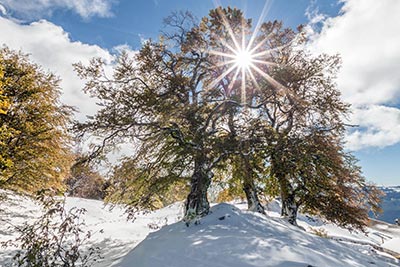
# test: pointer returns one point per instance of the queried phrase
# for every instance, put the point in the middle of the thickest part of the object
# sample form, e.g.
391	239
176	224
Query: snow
118	235
393	244
229	236
392	188
236	238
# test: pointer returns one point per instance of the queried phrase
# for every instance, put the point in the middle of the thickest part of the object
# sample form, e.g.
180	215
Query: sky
365	33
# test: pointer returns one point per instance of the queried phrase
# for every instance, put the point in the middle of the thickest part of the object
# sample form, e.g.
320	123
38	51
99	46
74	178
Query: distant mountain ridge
390	204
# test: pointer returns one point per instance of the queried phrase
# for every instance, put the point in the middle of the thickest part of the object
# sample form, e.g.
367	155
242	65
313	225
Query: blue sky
133	20
365	32
143	19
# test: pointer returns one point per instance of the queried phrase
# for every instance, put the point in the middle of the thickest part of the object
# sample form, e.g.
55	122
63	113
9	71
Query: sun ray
271	80
264	62
243	47
246	53
225	73
254	81
243	85
261	18
267	52
224	63
230	86
262	42
228	27
272	49
218	53
224	43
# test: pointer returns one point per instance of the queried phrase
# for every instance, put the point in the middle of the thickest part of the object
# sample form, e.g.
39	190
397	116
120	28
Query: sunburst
245	57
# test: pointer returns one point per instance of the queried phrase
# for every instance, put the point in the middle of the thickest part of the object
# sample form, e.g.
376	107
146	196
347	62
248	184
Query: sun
246	57
243	59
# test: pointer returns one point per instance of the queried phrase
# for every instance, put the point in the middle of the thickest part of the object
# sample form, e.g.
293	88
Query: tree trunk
197	204
253	202
289	206
249	188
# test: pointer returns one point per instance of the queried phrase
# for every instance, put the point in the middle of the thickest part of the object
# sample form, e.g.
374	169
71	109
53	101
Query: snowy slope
119	236
229	236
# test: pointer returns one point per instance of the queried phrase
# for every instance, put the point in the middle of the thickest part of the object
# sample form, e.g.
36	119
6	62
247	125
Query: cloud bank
366	35
36	8
50	47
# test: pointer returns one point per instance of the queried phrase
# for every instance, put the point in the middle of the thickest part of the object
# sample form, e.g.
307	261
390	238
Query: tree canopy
34	144
221	96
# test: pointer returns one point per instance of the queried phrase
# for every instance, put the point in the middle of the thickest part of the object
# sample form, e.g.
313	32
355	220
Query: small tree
85	182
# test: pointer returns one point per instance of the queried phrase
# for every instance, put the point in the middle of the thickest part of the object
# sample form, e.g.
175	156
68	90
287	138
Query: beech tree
294	114
300	114
34	144
245	167
218	95
158	97
328	182
319	177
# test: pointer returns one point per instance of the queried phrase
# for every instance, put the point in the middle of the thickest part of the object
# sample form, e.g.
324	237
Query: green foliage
229	187
5	133
230	179
34	150
157	177
55	239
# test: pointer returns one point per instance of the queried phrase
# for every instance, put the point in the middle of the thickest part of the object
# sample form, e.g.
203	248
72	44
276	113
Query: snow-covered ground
118	235
229	236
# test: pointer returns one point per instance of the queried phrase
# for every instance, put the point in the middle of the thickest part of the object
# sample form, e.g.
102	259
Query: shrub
57	238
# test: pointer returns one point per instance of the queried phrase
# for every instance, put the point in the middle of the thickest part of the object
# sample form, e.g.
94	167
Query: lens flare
243	59
246	57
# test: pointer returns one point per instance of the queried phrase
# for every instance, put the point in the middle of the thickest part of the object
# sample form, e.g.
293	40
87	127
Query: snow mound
236	238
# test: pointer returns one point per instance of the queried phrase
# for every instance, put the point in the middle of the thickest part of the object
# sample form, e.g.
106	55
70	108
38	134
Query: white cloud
381	127
36	8
3	10
50	46
126	49
366	35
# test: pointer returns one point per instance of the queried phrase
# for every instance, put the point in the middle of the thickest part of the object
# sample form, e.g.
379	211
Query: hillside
229	236
390	204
